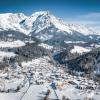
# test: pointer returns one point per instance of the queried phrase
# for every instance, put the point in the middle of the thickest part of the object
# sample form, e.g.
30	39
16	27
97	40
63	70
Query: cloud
91	20
93	16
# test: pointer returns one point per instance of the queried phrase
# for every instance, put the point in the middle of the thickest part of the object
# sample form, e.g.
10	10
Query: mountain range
43	53
46	27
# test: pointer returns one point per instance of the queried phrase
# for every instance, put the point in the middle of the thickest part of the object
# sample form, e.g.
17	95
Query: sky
85	12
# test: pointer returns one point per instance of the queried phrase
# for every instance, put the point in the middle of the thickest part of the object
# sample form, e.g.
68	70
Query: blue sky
72	11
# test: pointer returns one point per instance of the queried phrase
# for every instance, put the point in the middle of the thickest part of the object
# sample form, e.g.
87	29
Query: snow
79	49
95	45
11	21
40	64
74	42
41	20
44	19
41	72
17	43
6	54
36	92
60	24
12	96
33	93
90	37
81	29
64	88
13	85
46	46
44	37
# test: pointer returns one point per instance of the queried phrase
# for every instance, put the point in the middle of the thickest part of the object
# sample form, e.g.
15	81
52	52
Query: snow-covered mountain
41	20
44	26
10	21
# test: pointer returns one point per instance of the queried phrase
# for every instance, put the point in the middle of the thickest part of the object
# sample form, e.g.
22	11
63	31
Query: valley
42	58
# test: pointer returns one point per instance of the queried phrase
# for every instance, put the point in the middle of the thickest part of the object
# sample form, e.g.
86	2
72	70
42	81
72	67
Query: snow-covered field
6	54
11	44
38	92
74	42
46	46
79	49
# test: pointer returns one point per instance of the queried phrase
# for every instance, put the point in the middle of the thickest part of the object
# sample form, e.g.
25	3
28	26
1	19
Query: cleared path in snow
38	92
33	93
